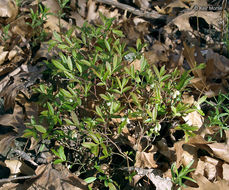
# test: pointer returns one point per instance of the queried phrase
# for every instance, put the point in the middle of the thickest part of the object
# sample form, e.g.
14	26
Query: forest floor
79	110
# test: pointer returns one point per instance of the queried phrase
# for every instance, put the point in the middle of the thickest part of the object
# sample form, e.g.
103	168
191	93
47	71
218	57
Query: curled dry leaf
170	6
208	167
157	54
52	5
220	150
155	176
159	182
145	160
225	167
194	119
18	167
9	10
217	67
91	13
188	155
205	184
3	55
142	4
17	81
52	24
78	18
60	180
15	120
20	27
221	63
6	142
183	24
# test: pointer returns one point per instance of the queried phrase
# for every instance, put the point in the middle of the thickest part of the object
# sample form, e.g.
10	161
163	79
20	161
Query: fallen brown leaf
9	10
145	160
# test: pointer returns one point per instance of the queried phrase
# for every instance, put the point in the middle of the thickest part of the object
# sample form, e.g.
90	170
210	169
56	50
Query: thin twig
120	151
16	178
145	14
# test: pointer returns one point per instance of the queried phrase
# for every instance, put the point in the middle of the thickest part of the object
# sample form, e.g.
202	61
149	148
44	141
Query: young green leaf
50	108
40	128
58	65
69	62
57	36
90	179
107	45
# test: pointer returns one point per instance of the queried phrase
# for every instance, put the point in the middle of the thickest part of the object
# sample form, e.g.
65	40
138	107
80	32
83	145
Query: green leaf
143	64
138	44
58	65
107	45
165	77
98	111
127	88
40	128
90	179
103	96
94	137
68	41
119	82
95	150
108	67
69	75
184	80
66	93
50	109
58	161
69	62
105	152
85	62
75	118
88	144
111	186
135	99
201	100
154	114
61	153
162	70
79	67
156	71
57	36
68	121
124	82
72	91
96	73
83	37
63	46
118	33
115	62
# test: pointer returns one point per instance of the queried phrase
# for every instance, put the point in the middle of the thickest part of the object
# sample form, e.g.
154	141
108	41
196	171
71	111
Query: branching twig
145	14
120	151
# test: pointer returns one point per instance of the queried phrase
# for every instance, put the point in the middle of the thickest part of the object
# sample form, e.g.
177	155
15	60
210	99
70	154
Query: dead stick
145	14
16	178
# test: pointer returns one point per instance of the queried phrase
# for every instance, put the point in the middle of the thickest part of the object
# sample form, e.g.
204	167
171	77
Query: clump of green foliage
94	92
178	176
38	20
219	114
5	33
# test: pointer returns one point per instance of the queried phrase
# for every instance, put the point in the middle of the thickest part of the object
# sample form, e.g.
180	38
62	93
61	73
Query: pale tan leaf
19	167
145	160
60	180
8	9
